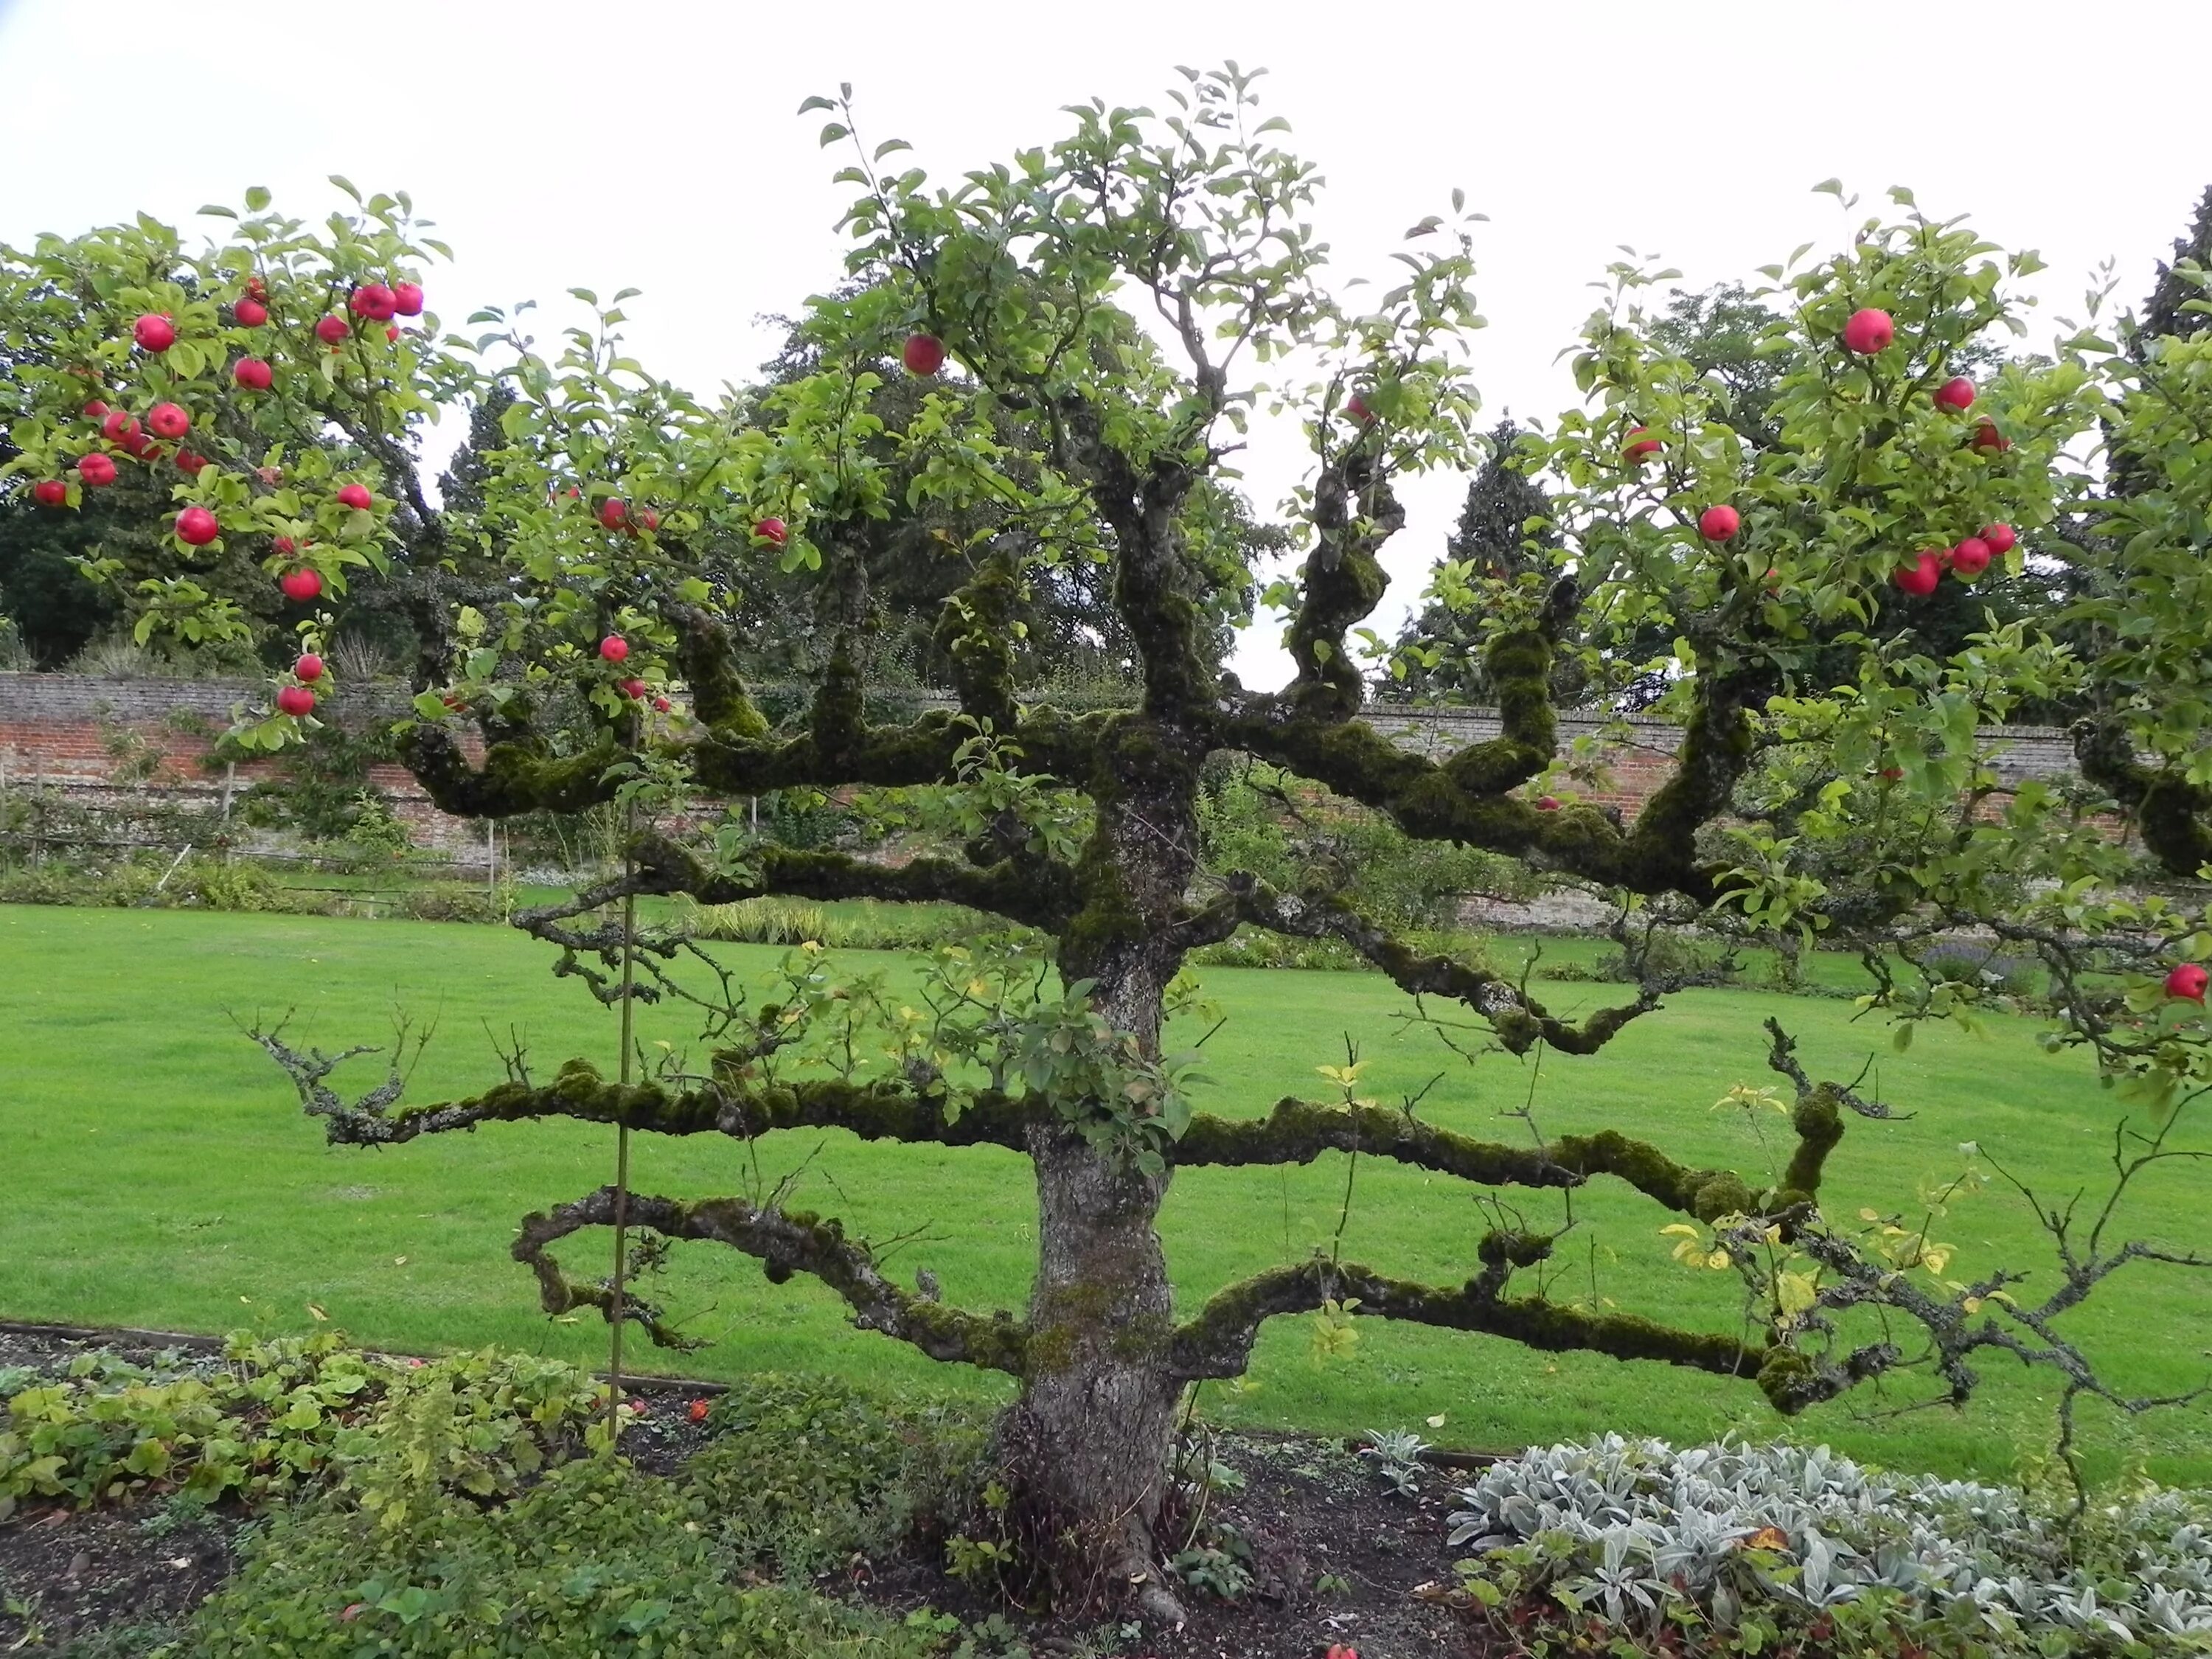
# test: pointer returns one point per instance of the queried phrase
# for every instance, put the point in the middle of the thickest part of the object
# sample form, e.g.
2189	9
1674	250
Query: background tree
628	520
1504	533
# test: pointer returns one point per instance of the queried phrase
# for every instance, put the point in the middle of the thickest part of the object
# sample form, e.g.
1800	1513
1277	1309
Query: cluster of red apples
153	333
615	649
1868	332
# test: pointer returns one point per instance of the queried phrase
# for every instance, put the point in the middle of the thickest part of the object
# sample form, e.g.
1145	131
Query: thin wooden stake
622	1130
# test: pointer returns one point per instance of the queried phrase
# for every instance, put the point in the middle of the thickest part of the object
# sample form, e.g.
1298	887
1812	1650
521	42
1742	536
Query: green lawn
157	1172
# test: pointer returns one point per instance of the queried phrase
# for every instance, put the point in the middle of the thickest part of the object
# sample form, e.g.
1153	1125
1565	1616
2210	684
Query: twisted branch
785	1242
1520	1021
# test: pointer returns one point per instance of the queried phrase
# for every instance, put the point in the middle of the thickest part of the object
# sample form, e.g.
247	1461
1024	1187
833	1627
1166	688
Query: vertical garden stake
621	1125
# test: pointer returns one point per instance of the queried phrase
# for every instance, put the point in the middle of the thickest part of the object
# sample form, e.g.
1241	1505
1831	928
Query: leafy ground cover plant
276	1416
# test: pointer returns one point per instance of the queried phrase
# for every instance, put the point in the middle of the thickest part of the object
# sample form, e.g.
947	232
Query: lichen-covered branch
882	1110
1298	1131
785	1242
1035	891
1355	512
519	774
1218	1341
1519	1020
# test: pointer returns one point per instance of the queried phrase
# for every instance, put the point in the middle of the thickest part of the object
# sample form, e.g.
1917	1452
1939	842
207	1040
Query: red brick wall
57	731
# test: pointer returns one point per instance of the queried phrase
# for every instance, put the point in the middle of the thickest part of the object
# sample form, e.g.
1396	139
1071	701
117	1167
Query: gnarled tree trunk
1089	1441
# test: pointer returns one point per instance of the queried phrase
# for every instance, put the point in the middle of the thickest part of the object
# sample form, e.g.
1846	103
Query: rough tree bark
1088	1443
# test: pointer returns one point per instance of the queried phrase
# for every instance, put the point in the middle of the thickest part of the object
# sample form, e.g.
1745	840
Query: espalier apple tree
1139	294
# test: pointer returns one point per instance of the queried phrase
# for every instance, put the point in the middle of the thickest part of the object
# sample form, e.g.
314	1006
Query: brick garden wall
55	729
55	732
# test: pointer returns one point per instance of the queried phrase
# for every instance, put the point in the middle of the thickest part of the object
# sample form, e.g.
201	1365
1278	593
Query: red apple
614	512
374	302
1919	578
1987	438
1970	558
699	1410
407	299
1956	394
189	464
95	471
924	354
2001	538
632	688
197	526
300	585
168	421
2187	981
253	373
250	313
1868	331
119	425
135	443
661	705
283	543
1641	444
295	700
254	290
772	531
391	333
357	497
308	668
1547	803
332	330
50	492
94	409
1892	773
1718	523
154	332
1358	409
647	519
614	647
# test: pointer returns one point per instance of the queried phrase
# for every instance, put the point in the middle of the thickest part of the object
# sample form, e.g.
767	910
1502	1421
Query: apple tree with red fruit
1140	292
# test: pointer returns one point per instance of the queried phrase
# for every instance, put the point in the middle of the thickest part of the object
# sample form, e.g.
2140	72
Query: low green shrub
211	884
1255	947
452	900
809	1471
858	924
195	884
595	1560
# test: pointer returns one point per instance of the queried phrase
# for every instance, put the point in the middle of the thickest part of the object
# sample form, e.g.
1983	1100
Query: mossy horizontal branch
1298	1131
1035	891
786	1243
1218	1341
518	775
874	1111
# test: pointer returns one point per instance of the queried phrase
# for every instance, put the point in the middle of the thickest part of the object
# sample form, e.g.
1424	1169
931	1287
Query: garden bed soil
1335	1558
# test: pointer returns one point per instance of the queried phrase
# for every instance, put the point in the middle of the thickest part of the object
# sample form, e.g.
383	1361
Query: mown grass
154	1169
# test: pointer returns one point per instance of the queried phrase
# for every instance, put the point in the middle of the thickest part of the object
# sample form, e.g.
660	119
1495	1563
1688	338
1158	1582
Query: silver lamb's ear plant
1622	1523
1396	1455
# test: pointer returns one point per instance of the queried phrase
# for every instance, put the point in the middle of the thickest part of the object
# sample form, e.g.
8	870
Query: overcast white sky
653	143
